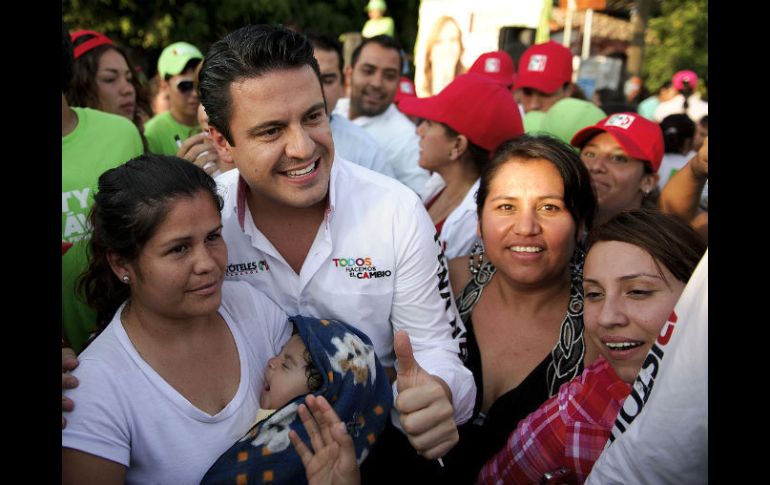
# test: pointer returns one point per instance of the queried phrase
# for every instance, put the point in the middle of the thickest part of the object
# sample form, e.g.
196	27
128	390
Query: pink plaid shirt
567	431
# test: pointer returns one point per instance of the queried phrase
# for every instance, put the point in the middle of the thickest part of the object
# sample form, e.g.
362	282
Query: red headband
97	40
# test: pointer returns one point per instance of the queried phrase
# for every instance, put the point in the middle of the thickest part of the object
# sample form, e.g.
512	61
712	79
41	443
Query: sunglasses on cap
185	86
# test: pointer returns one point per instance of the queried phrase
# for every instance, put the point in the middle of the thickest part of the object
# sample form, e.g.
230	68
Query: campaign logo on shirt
362	268
237	269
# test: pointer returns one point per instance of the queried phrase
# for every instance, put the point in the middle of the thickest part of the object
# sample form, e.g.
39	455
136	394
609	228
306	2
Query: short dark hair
132	200
676	128
251	51
384	41
191	65
314	378
67	58
669	241
578	194
326	43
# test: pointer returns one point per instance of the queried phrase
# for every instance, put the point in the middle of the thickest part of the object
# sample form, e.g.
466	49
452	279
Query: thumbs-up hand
424	402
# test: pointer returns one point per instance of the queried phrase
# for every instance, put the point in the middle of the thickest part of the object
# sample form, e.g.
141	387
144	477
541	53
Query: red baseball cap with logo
496	65
405	89
640	138
472	105
545	67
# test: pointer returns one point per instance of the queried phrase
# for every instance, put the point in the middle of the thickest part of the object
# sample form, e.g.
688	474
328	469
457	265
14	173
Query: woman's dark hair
686	91
677	129
83	91
578	193
669	241
478	156
131	202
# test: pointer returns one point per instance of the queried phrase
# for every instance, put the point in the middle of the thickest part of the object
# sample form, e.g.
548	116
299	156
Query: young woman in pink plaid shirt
636	267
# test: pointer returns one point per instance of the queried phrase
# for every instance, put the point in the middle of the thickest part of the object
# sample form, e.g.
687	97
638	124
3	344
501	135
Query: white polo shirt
396	135
375	263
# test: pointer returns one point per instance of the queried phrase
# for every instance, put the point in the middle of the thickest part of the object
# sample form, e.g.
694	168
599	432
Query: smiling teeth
622	345
526	249
299	173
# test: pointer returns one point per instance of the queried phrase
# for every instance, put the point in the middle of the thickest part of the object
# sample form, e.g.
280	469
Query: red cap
496	65
640	138
472	105
95	41
545	67
679	78
405	89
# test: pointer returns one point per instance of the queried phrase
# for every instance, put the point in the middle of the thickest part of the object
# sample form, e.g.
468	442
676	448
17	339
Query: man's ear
222	146
348	79
163	86
459	148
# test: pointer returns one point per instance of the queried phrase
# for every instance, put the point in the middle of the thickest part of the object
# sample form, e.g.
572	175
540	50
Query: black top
484	435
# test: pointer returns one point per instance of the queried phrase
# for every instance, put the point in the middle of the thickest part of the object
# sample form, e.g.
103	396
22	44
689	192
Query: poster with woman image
453	33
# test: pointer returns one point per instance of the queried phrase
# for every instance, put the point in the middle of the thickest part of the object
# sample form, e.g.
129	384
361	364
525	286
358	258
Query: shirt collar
243	191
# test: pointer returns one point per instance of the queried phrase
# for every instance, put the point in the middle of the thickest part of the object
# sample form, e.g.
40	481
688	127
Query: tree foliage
681	42
144	27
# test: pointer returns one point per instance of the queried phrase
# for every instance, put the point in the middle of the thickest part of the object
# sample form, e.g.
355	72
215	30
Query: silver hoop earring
125	278
476	259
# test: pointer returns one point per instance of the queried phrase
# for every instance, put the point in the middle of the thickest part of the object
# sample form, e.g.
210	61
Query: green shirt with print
160	132
100	141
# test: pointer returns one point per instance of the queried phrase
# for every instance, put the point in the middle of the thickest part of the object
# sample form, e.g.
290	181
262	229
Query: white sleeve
667	441
423	306
98	423
459	241
257	315
404	156
379	162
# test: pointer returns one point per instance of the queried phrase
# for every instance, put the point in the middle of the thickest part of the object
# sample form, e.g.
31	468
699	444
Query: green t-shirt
100	141
160	131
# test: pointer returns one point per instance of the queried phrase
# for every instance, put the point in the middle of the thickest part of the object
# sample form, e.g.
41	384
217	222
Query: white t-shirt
374	264
127	413
665	440
396	135
672	163
696	107
459	230
353	143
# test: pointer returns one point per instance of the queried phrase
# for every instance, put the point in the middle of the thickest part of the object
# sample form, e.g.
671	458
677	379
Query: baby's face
285	378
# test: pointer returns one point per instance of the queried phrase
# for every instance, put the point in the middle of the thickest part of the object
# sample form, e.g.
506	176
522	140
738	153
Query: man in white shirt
351	141
374	75
322	236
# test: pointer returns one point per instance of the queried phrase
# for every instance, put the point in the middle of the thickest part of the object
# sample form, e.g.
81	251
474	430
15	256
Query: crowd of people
292	275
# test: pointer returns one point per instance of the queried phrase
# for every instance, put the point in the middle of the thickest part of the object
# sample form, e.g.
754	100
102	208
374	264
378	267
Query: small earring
125	278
